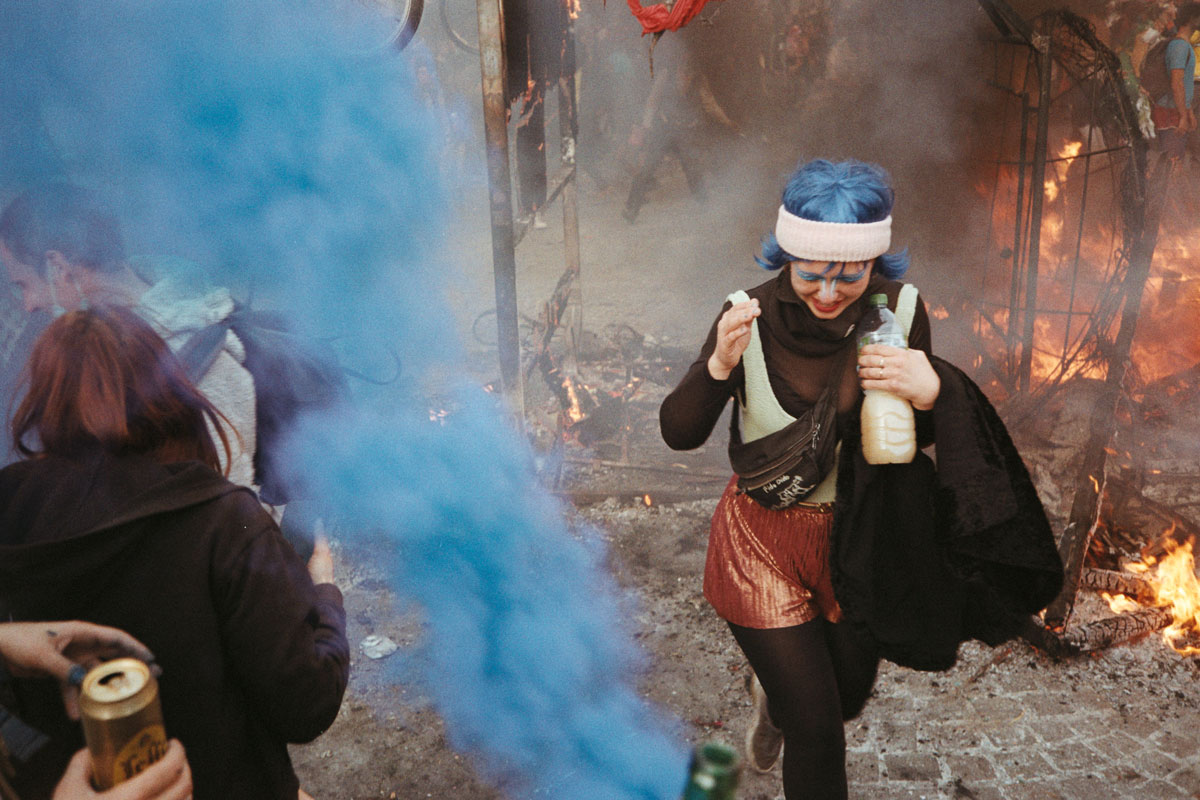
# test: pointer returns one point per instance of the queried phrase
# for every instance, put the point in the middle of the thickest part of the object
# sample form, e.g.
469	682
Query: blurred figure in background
680	103
1173	116
63	251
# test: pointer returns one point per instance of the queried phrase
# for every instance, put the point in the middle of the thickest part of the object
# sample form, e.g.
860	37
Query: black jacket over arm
925	559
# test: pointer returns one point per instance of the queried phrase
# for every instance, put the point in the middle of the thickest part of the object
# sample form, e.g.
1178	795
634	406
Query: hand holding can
122	720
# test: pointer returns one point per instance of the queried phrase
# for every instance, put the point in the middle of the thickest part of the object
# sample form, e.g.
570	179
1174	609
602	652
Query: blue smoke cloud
274	144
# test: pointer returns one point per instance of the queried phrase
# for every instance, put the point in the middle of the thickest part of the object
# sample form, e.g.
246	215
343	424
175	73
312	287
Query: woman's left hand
904	372
56	648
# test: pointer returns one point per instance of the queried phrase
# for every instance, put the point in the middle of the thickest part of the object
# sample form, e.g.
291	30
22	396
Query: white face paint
827	288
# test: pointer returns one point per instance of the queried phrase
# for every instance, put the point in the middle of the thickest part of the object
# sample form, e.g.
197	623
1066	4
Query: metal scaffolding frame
1062	42
1053	74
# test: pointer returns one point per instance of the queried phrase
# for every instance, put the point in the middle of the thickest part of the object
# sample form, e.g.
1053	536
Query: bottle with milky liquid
889	433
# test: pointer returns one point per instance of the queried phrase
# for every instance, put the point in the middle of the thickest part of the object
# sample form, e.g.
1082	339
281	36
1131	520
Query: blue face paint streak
841	277
301	164
829	282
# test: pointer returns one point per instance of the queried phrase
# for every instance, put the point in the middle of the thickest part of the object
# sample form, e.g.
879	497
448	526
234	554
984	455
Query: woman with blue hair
767	571
821	563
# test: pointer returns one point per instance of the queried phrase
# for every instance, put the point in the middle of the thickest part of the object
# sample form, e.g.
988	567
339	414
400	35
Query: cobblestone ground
1006	723
1121	726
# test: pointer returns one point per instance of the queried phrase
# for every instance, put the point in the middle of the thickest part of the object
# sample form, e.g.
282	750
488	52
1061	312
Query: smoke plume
279	147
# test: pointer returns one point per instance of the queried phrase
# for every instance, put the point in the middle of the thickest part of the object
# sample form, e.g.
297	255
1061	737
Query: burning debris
1176	592
1151	596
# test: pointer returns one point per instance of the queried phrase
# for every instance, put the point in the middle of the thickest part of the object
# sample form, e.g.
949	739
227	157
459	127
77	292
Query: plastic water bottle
889	434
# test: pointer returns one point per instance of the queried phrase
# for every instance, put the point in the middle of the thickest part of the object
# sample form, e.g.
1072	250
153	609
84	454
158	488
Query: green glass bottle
713	774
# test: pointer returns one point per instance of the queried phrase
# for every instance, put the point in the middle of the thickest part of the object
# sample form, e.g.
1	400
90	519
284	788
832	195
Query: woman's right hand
733	336
169	778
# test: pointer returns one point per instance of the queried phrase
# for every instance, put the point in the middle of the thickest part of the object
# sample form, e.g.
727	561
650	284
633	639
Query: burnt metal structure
1058	83
506	233
1057	71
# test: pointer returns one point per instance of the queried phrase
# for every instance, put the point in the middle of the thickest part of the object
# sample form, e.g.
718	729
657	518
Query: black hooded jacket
253	654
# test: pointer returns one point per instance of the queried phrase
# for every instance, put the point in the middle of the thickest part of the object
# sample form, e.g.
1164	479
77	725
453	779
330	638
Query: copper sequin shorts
769	569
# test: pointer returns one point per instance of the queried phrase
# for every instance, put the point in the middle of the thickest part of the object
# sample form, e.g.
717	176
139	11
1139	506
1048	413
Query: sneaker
764	741
538	222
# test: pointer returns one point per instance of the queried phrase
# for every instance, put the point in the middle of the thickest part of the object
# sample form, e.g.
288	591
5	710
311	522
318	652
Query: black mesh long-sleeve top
801	352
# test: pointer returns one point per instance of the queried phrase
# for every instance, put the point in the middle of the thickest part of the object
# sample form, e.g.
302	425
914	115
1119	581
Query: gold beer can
122	720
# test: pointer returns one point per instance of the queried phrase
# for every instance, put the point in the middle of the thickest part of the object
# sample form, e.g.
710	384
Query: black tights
816	675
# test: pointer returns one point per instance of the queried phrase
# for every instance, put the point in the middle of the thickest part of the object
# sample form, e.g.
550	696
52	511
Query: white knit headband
832	241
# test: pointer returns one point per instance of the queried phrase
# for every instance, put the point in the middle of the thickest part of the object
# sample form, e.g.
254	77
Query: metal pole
568	98
1037	190
504	261
1087	175
1014	291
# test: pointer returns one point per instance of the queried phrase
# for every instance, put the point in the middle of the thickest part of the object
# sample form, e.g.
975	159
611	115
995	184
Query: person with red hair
117	515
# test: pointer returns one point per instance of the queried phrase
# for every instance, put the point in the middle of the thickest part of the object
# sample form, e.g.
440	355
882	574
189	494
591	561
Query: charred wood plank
1053	644
1107	580
1114	630
1085	515
1085	506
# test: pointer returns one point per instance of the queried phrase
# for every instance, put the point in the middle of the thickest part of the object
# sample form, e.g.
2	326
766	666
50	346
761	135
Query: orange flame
1176	584
574	412
1069	152
1176	587
1121	604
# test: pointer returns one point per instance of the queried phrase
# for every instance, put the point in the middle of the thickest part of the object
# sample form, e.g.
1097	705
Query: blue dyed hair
843	191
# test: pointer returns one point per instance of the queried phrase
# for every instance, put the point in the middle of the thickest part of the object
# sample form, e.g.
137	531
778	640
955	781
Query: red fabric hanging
658	18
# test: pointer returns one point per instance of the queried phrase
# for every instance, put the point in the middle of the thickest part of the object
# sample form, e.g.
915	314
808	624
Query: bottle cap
877	300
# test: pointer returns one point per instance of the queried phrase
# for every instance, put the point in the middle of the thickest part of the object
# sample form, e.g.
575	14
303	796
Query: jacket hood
63	518
179	308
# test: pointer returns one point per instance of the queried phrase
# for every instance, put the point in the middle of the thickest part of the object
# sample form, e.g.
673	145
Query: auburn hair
103	377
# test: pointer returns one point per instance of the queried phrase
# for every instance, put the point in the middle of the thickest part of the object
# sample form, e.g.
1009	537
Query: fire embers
1168	584
592	415
601	400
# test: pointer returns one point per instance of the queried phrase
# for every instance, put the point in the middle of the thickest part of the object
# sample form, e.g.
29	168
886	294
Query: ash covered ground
1009	722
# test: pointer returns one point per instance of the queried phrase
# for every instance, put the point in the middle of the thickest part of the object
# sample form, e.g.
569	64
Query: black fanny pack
782	468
